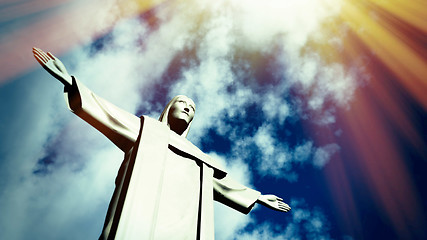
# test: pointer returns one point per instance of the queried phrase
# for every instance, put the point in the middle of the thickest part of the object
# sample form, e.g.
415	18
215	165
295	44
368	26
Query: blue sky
283	116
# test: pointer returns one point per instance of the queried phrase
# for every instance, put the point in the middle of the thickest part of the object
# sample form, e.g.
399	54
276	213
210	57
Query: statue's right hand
53	65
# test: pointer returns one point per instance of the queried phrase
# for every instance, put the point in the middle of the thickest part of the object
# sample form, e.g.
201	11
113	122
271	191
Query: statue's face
182	109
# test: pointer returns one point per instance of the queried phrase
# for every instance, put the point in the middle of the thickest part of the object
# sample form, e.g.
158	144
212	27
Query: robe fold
165	186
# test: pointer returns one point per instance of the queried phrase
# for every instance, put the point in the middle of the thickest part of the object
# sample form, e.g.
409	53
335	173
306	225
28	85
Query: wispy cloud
217	42
323	154
304	223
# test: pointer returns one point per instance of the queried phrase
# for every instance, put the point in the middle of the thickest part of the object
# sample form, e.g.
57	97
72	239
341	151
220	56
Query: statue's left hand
274	202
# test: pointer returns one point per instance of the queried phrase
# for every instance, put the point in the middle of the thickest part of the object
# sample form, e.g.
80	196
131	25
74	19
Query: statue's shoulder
183	144
151	121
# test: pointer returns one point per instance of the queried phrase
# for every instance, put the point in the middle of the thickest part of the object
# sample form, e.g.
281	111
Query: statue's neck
178	126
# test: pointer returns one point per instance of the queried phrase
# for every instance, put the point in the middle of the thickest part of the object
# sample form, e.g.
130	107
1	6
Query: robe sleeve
119	126
235	195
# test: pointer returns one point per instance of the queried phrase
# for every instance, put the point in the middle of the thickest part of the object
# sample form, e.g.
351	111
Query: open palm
53	65
274	202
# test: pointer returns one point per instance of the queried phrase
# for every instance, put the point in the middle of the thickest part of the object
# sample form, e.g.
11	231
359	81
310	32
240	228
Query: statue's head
178	114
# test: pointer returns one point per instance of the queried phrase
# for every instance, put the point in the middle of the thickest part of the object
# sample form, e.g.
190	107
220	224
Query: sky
321	102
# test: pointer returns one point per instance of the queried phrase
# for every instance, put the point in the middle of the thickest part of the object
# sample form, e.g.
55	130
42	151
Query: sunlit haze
321	102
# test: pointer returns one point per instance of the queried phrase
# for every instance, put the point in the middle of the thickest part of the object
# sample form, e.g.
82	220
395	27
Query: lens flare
57	25
393	35
385	40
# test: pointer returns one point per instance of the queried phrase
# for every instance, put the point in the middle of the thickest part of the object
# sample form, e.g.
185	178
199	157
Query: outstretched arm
273	202
120	126
53	66
241	198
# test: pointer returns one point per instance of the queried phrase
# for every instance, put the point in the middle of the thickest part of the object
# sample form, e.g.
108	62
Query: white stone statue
165	186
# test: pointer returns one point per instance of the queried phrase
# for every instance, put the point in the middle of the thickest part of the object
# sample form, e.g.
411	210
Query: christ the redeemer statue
166	186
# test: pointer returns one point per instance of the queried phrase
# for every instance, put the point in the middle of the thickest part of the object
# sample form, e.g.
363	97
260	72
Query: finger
37	50
40	60
284	205
51	56
36	54
285	209
42	54
45	56
280	199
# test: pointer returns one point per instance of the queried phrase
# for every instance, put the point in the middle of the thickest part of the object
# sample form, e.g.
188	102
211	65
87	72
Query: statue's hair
164	116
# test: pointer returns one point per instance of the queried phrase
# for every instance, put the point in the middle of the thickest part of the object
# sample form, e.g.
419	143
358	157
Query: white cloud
304	223
260	22
234	26
276	158
323	154
303	152
275	108
52	199
76	189
241	24
46	204
262	231
228	222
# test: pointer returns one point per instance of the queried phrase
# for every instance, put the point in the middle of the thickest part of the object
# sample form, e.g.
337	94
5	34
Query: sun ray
403	60
57	25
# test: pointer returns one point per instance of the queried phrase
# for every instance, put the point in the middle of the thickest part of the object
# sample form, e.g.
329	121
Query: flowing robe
165	186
